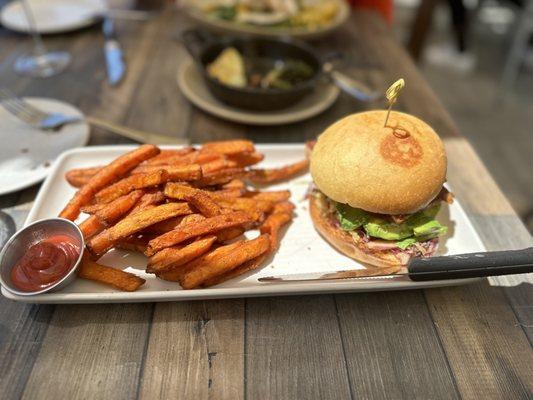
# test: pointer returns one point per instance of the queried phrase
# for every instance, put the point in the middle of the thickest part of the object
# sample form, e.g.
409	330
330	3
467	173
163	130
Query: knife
113	53
459	266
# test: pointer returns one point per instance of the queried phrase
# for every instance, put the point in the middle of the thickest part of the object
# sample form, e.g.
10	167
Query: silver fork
55	121
32	115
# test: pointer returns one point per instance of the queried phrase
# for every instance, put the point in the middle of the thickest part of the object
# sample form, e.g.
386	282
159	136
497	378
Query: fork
32	115
55	121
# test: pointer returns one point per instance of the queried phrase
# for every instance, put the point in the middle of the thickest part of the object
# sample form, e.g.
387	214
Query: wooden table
470	341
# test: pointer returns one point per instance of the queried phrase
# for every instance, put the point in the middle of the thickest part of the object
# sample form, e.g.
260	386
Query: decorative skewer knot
392	94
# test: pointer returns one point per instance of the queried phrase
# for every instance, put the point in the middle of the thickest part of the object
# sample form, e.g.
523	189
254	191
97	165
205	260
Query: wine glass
41	63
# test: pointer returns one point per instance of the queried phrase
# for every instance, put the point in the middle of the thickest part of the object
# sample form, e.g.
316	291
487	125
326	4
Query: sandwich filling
393	237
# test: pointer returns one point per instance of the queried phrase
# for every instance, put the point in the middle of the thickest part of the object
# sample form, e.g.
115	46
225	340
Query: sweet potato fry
176	274
284	206
262	176
274	196
92	208
192	219
195	157
245	204
220	177
107	175
119	207
131	183
191	230
229	147
173	257
91	226
222	260
149	199
234	184
134	243
217	165
246	159
203	203
134	223
225	194
109	214
241	269
179	191
272	225
110	276
189	172
229	234
164	226
80	176
166	155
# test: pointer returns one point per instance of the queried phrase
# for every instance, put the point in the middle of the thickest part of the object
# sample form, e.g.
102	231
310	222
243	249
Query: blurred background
478	57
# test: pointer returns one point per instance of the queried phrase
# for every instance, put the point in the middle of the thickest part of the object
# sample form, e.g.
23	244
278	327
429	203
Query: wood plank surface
396	355
294	349
469	342
91	352
195	351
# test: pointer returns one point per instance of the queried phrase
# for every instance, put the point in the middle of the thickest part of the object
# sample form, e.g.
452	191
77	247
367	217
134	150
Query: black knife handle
472	265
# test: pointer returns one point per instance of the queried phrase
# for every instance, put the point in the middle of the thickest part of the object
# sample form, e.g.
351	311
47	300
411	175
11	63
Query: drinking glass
41	63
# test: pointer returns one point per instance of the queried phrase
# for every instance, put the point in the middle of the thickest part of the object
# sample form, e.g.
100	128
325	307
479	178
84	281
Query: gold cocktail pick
392	95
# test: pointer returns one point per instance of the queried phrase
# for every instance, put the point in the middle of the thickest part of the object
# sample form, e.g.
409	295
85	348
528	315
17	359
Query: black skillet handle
472	265
195	42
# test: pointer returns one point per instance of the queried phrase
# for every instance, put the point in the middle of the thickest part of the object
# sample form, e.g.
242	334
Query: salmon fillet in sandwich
377	189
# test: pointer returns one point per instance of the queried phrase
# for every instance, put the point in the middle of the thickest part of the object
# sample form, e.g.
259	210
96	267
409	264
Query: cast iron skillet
205	48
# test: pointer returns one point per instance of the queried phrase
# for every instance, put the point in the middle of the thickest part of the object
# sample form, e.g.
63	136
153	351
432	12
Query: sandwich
377	189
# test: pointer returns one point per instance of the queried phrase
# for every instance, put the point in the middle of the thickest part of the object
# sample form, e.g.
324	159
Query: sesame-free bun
397	169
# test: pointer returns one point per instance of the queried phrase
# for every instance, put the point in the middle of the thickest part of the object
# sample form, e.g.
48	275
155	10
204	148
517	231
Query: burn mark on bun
401	148
400	133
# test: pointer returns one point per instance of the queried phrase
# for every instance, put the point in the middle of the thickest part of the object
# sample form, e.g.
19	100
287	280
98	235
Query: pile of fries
186	210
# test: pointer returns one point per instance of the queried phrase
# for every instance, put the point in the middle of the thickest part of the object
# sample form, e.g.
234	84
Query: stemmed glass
40	63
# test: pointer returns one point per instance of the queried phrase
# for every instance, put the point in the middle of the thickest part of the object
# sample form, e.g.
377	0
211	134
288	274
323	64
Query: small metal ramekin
21	241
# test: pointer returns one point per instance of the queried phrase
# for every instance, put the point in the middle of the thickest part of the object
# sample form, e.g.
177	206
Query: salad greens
420	226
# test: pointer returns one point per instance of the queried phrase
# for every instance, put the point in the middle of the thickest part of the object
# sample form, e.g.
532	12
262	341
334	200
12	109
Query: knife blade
459	266
113	53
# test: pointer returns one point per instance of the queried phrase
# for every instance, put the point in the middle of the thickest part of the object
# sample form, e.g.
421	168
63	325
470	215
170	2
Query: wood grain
91	352
294	349
159	106
195	350
502	232
487	349
396	355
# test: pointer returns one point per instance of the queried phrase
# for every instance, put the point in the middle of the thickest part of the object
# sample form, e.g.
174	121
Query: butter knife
113	53
459	266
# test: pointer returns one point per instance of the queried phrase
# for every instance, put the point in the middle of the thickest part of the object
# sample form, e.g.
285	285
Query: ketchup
45	263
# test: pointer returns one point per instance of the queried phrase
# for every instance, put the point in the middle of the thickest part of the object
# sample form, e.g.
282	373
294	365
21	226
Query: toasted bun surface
343	241
397	169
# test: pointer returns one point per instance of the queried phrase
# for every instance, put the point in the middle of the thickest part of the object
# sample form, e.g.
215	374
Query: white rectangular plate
301	250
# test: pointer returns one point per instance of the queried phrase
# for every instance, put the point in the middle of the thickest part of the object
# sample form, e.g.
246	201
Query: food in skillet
187	210
309	14
232	69
378	188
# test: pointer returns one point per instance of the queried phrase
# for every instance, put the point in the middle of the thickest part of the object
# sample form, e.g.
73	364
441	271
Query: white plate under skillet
193	87
53	16
301	250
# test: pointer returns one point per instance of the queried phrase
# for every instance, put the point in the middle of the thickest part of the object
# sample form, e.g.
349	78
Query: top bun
397	169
